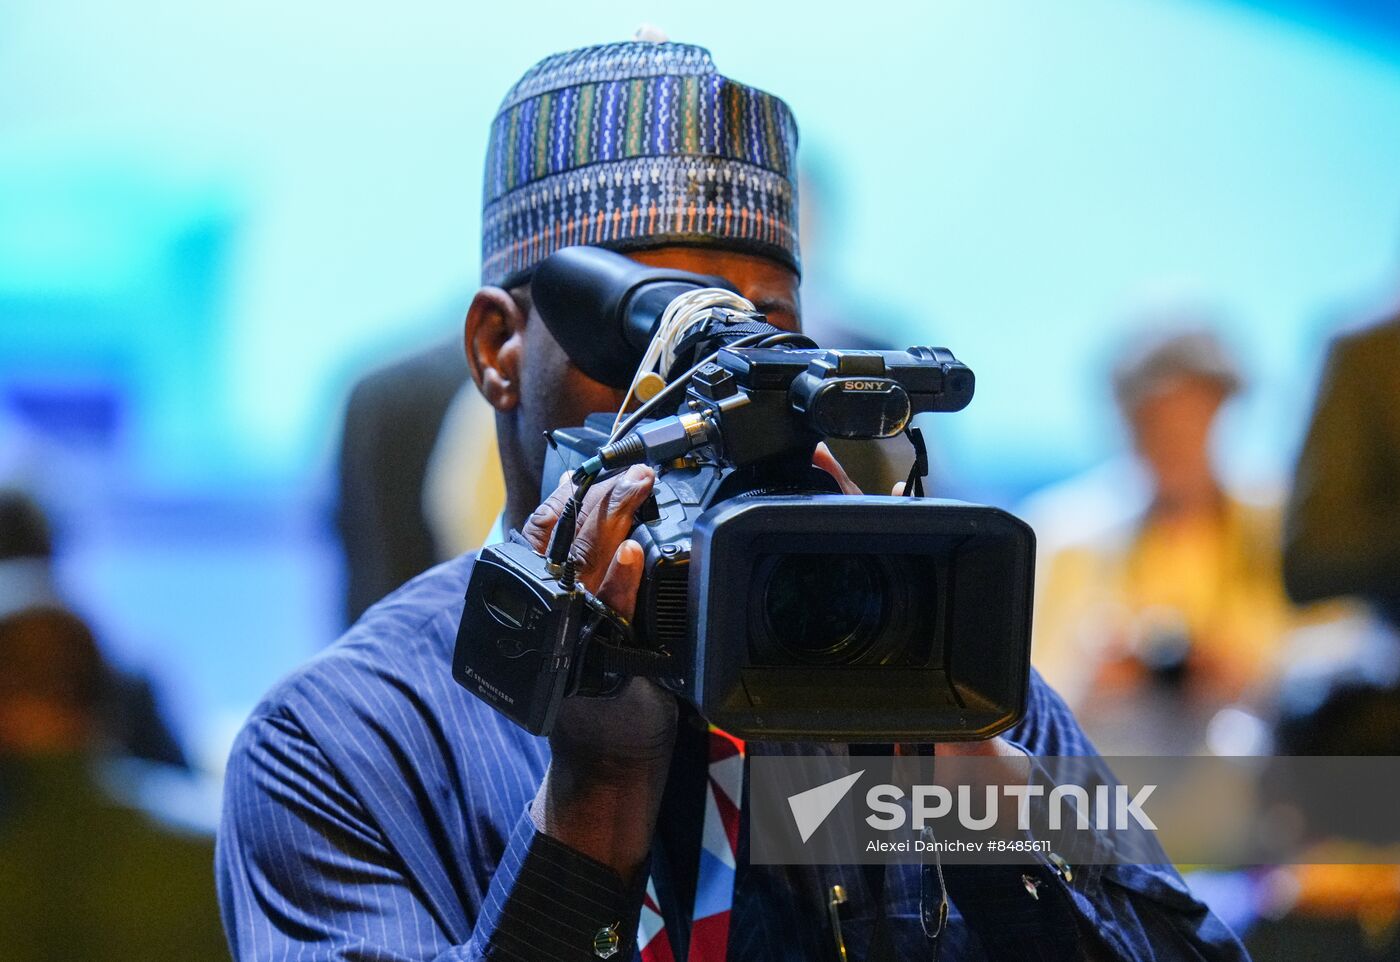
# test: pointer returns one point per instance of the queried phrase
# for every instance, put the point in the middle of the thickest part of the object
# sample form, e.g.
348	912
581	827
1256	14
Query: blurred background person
82	875
1342	539
1343	532
131	721
385	507
1154	618
464	489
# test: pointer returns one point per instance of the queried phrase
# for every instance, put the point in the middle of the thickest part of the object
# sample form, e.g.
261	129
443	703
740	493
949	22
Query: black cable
633	419
562	540
753	340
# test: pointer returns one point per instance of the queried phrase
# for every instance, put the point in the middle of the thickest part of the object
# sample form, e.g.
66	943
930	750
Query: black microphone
603	308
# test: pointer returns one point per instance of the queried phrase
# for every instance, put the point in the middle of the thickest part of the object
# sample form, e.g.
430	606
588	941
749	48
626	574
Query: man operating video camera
377	810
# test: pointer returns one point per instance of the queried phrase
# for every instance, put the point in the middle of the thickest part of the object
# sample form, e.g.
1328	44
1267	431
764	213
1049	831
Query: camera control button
648	512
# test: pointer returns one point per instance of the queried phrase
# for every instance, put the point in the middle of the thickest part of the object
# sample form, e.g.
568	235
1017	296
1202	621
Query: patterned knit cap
634	145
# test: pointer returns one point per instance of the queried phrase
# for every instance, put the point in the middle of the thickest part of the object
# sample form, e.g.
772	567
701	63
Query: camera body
780	607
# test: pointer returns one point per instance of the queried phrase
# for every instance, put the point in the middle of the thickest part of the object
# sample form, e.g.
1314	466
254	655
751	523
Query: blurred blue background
215	215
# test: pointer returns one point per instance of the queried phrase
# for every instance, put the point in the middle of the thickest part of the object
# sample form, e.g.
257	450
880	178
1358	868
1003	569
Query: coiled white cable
680	316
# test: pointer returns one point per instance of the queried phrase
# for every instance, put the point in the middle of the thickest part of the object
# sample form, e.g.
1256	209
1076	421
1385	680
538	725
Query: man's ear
495	340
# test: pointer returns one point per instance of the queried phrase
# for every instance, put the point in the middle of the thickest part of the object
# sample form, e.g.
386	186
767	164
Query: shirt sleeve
1050	910
304	874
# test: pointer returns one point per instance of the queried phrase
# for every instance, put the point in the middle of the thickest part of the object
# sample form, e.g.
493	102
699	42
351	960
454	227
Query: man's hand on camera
610	755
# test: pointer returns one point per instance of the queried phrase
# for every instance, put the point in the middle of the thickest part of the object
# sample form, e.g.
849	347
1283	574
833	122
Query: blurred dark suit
83	877
391	425
1342	535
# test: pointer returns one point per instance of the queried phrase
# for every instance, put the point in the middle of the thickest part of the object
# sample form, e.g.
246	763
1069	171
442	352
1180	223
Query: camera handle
610	636
914	487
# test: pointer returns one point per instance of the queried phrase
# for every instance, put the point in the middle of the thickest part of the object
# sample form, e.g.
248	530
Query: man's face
554	393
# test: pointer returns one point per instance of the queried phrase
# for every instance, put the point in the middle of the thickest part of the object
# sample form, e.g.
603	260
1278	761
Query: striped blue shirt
377	812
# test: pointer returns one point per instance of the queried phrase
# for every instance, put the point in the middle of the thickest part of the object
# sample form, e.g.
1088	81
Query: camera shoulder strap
914	486
881	941
933	915
933	893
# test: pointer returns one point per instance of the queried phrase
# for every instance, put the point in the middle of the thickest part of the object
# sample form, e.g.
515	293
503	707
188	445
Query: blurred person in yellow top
1153	621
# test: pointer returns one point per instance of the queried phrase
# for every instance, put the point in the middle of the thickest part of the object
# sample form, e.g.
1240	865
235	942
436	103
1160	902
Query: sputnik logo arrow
811	808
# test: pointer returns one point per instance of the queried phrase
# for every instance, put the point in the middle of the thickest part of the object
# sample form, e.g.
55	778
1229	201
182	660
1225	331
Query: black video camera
780	607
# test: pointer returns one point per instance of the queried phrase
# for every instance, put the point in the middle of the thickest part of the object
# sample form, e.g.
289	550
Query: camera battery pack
517	644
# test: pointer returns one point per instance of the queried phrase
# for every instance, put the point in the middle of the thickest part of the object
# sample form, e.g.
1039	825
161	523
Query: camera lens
824	608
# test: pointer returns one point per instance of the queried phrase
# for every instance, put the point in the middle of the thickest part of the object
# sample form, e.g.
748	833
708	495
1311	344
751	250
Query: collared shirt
377	812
